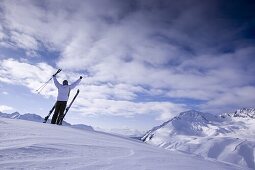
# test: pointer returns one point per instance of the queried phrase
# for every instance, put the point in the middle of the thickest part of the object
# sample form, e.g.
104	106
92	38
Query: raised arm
57	84
73	85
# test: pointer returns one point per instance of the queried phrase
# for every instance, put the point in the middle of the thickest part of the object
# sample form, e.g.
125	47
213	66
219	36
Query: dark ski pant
59	112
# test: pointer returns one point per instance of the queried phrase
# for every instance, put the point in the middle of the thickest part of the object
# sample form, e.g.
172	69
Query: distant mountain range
37	118
229	137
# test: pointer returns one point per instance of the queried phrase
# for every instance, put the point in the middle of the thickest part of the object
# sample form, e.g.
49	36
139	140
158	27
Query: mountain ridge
227	137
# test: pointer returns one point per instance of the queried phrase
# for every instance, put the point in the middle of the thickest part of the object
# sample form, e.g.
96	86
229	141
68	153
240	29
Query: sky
143	61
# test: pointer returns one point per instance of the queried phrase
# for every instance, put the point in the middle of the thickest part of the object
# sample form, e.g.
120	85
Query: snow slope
229	137
32	145
37	118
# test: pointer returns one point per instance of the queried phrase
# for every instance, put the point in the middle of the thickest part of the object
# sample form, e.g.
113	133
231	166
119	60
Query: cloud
111	91
175	50
4	108
165	110
5	93
24	41
22	73
231	99
94	99
2	35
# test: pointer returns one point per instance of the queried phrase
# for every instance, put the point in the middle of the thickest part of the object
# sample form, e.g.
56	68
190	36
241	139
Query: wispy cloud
24	41
5	93
2	35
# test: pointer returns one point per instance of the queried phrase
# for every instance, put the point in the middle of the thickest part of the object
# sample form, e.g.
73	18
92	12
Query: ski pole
45	84
40	89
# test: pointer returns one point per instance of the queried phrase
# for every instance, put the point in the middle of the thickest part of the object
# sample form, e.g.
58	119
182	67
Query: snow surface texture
32	145
229	137
37	118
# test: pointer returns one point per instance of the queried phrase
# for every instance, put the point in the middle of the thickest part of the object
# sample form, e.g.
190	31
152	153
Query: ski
47	117
67	109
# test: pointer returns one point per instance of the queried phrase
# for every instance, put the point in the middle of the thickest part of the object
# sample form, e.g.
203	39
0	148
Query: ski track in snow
31	145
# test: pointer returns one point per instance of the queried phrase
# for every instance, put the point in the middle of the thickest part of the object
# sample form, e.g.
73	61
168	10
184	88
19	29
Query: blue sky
143	61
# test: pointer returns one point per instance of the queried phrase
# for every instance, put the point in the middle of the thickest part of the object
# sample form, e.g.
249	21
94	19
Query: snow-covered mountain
229	137
37	118
245	113
82	127
31	145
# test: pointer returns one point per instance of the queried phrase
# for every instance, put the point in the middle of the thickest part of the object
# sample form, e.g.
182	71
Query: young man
63	95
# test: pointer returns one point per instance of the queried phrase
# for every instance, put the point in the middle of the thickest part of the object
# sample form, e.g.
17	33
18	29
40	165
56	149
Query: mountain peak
190	113
194	115
15	115
245	112
228	137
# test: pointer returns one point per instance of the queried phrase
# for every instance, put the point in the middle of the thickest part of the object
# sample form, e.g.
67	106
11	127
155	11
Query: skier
63	95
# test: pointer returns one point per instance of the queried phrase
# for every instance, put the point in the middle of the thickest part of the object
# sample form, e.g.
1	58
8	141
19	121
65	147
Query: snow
229	137
37	118
32	145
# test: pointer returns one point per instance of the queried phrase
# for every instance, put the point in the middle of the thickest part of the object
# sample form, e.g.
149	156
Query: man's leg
56	112
61	111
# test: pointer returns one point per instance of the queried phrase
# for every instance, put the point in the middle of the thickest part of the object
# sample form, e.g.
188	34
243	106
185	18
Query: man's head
65	82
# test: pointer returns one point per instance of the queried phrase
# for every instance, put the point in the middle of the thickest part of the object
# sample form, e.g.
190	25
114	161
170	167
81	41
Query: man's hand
80	77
